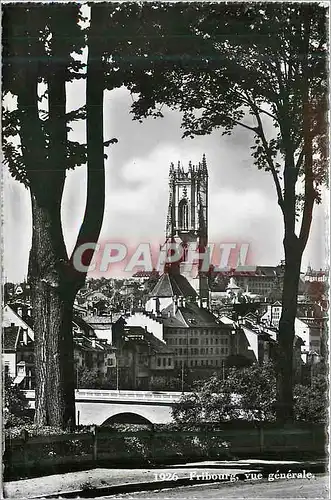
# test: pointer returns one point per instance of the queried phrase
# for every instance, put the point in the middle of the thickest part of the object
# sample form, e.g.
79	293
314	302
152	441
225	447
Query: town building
18	355
308	326
259	282
140	356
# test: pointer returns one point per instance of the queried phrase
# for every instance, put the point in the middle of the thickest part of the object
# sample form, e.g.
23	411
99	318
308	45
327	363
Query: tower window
183	214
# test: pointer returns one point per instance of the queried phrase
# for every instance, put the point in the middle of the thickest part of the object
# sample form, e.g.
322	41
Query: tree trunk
54	281
286	331
52	302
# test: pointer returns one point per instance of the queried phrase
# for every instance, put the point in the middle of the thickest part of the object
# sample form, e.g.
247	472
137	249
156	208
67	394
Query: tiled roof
267	270
190	315
173	322
82	324
157	345
145	274
85	344
98	320
10	334
197	316
170	285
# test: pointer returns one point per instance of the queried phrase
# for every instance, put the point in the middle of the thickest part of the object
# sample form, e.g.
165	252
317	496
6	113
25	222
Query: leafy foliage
16	407
34	38
310	402
165	383
249	394
228	65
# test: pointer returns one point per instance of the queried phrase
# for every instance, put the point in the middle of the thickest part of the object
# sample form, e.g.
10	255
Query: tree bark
52	301
95	201
294	245
286	330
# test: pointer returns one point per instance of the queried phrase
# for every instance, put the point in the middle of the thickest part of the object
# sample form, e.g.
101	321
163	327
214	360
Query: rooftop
189	315
171	285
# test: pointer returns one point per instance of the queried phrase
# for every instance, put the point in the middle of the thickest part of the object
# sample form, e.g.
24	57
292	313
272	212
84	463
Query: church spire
204	164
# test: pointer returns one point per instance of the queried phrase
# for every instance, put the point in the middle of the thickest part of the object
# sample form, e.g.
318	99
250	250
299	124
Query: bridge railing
134	396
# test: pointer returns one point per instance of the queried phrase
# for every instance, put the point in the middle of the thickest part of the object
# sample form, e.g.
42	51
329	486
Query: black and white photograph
165	249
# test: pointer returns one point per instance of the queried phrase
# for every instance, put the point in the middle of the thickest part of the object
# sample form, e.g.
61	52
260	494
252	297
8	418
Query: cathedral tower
187	221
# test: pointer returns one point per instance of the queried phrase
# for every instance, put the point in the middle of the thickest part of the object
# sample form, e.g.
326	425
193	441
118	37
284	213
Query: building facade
187	220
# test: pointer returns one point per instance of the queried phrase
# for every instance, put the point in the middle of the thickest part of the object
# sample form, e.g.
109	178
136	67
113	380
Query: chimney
25	337
174	306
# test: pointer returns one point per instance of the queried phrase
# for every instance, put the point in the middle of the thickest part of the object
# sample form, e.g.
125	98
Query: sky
242	200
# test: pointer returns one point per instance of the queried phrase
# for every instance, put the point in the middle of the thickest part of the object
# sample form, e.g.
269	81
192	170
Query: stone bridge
103	407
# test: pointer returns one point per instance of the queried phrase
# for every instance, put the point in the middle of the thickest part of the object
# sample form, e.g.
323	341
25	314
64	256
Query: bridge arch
127	418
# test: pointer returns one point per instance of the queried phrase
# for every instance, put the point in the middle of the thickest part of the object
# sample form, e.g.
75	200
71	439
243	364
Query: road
316	488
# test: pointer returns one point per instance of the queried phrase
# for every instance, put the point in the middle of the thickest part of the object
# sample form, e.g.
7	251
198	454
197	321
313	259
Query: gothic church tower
187	220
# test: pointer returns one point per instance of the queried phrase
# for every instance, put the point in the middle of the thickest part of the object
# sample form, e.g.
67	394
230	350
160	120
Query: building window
183	214
164	361
158	362
169	361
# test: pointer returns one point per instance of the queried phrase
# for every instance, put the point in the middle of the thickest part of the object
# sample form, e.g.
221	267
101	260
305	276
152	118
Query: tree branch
260	133
95	202
300	159
236	122
307	149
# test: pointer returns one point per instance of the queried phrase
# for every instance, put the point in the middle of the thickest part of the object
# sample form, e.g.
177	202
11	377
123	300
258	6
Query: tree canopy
250	394
261	67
